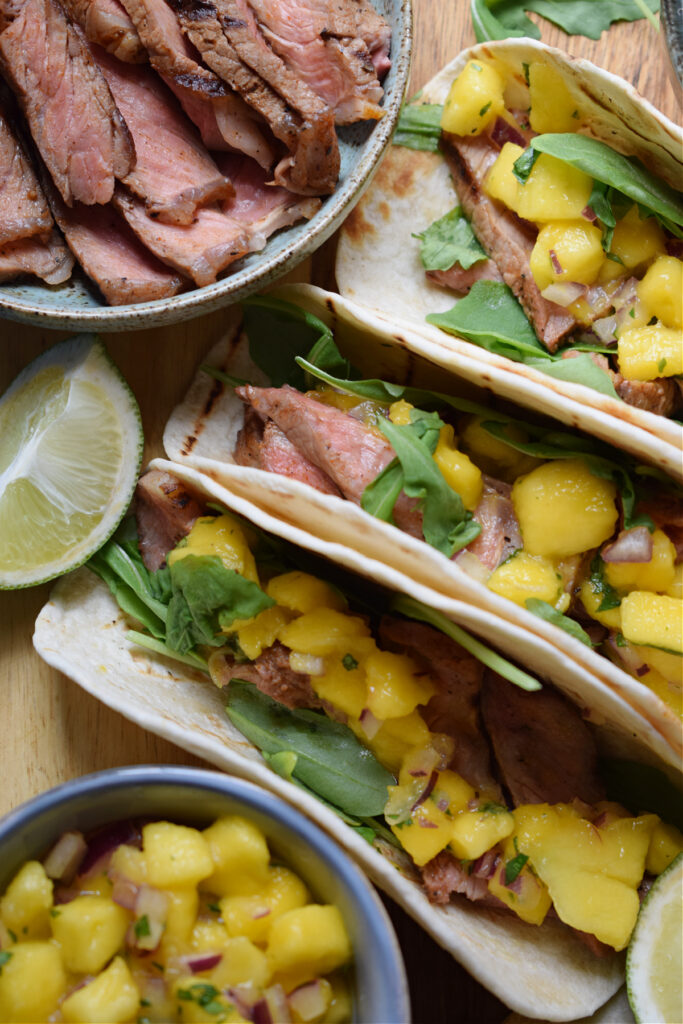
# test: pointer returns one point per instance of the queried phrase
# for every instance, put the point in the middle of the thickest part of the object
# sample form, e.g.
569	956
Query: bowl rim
373	918
235	287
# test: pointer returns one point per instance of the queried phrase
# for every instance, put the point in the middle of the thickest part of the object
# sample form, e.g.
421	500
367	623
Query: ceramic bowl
77	305
192	796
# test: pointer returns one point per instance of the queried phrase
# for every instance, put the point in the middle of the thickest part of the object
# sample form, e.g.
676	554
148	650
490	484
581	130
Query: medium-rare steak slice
48	259
70	110
339	69
165	512
173	173
23	208
500	533
272	674
106	23
111	255
312	164
223	118
200	250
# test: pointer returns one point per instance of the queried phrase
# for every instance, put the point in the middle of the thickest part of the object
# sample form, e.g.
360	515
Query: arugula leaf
380	496
502	19
419	127
330	760
413	609
491	316
626	175
207	598
450	240
284	763
546	611
366	833
159	647
579	370
126	598
277	332
599	585
641	787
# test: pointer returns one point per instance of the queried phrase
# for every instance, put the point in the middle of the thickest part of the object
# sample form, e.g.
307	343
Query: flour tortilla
379	267
541	972
203	429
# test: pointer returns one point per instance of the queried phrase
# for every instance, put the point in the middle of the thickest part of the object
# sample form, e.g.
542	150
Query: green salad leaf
546	611
502	19
419	126
278	331
579	370
329	759
491	316
450	240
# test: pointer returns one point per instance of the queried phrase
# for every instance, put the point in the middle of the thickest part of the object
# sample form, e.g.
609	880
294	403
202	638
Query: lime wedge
70	451
654	965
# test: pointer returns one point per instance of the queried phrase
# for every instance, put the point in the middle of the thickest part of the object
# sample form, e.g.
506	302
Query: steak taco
528	221
519	823
562	535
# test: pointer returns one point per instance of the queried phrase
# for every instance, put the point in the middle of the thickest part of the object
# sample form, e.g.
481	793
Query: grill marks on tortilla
70	110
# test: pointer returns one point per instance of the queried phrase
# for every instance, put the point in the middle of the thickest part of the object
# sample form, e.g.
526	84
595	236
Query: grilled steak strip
165	512
23	208
457	279
174	173
70	110
506	239
660	396
272	674
106	23
500	534
47	258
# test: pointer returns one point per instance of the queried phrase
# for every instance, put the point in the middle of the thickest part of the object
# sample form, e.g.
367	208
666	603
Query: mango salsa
474	100
655	620
646	353
223	537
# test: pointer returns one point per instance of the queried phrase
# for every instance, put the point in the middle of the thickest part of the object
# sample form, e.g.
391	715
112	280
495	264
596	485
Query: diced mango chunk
669	665
493	455
223	537
31	982
310	939
301	592
516	885
646	353
567	251
636	240
110	998
500	182
254	635
399	412
665	844
654	620
129	862
523	576
475	832
661	290
322	631
341	685
26	904
180	919
89	930
564	492
176	855
474	99
394	686
240	857
656	574
242	962
554	191
253	916
591	599
457	469
395	738
553	108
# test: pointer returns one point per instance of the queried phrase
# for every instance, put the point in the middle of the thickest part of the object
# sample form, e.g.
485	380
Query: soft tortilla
378	262
202	432
538	972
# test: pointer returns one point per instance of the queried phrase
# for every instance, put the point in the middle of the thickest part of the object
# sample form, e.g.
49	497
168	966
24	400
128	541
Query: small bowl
77	305
192	796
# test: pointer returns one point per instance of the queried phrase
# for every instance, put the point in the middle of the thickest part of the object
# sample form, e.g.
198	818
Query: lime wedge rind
654	963
74	470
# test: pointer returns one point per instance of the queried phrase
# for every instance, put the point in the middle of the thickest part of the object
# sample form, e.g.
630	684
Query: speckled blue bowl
195	797
77	304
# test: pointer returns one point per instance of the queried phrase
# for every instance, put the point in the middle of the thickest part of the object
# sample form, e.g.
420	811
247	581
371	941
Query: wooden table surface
51	730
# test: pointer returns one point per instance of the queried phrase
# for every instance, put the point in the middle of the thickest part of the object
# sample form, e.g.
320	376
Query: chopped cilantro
661	364
159	967
621	640
206	996
214	907
5	957
514	866
54	912
525	69
491	807
349	662
632	311
599	585
575	114
486	107
614	258
141	927
145	1002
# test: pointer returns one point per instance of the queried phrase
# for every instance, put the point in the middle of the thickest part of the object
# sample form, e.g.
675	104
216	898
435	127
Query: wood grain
51	730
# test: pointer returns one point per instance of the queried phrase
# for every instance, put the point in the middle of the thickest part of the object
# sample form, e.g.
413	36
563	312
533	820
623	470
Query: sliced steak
174	173
660	397
500	534
544	749
460	280
200	250
350	453
47	258
23	207
272	674
106	23
165	512
454	709
445	876
110	254
339	70
70	110
260	207
264	446
506	239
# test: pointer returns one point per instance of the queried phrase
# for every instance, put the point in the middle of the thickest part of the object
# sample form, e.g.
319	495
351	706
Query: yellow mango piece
554	191
189	992
301	592
455	789
394	686
592	599
399	412
27	901
395	738
567	251
180	920
240	857
31	983
494	456
526	894
253	916
636	240
341	686
254	635
425	832
676	588
653	620
646	353
323	631
474	100
475	832
500	182
110	998
665	844
553	108
176	855
242	962
669	665
89	931
311	940
221	536
129	862
523	576
564	492
457	469
657	574
661	290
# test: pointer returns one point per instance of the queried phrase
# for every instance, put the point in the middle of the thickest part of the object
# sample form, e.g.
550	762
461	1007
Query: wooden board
51	730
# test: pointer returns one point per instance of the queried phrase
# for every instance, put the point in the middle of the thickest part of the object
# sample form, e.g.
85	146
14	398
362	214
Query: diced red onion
426	791
153	904
600	820
273	1008
485	866
64	895
309	1001
417	773
426	823
102	844
369	724
207	962
244	997
444	746
606	329
124	892
554	259
633	545
503	132
589	213
563	293
642	670
515	885
260	1013
65	857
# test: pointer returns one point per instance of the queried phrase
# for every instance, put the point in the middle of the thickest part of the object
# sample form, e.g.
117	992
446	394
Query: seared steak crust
272	674
164	512
23	208
106	23
47	258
